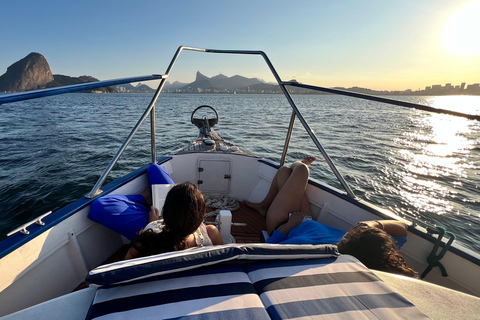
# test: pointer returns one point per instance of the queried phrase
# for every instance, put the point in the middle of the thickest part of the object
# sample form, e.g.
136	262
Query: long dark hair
375	249
183	213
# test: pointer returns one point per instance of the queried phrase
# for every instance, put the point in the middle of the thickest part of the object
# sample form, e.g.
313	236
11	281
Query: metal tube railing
150	110
287	139
296	112
152	134
96	188
292	104
385	100
317	143
14	97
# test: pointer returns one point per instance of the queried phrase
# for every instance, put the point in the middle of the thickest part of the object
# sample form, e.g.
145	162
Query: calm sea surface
417	164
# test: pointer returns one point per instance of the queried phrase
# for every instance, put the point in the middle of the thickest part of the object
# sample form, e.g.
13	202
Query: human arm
132	253
392	227
153	214
294	220
280	234
214	235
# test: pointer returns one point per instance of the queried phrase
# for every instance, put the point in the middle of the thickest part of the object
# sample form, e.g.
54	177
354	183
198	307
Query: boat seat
260	281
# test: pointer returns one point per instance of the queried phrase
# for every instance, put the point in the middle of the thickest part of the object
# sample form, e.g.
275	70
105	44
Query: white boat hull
55	262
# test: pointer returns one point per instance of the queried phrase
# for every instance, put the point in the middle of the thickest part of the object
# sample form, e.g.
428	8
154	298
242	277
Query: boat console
208	140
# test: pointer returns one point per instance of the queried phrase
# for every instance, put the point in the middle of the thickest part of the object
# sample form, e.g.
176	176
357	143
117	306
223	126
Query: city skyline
473	88
392	45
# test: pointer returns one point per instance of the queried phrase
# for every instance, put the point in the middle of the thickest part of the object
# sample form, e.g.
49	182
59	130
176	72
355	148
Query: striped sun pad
326	288
338	288
218	292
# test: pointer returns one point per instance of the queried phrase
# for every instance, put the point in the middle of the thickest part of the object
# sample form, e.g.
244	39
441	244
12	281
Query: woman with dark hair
289	221
181	227
375	249
133	217
128	214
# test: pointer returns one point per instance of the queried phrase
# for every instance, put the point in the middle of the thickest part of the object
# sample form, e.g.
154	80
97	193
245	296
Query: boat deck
251	233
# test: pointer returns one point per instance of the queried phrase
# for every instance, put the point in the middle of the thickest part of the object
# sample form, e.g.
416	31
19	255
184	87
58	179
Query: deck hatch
214	175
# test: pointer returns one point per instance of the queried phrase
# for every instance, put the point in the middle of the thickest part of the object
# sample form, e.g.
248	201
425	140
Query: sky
376	44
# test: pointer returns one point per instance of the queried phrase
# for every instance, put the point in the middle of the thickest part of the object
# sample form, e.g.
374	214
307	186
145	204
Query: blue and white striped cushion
339	288
136	269
217	292
246	282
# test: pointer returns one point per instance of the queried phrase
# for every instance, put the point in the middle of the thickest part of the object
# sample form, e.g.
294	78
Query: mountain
33	72
128	88
61	80
173	87
29	73
219	83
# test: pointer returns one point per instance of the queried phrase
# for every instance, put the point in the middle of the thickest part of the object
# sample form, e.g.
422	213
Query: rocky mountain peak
200	77
29	73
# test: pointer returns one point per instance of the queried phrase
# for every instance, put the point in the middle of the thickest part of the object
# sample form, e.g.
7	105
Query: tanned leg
286	194
291	197
278	181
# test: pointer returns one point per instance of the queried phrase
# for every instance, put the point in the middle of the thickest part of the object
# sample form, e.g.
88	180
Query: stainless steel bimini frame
295	114
150	110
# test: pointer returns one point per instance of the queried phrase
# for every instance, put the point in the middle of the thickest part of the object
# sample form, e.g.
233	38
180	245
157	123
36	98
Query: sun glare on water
460	33
437	151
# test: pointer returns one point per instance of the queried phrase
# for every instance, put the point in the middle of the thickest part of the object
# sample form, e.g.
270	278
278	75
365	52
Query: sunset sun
460	33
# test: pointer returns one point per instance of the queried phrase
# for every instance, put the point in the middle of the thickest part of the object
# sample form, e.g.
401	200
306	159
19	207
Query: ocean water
417	164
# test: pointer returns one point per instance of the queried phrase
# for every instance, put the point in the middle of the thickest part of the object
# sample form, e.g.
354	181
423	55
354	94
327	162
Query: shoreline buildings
449	89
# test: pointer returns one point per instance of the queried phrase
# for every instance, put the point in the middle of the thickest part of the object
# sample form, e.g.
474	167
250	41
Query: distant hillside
33	72
219	83
128	88
61	80
241	85
223	84
173	87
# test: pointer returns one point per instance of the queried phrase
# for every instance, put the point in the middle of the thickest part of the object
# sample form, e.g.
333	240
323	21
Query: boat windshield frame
295	114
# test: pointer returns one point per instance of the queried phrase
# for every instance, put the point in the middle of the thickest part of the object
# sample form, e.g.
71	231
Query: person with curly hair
375	248
289	221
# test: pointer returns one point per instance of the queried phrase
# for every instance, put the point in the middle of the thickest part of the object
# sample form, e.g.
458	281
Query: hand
154	214
296	218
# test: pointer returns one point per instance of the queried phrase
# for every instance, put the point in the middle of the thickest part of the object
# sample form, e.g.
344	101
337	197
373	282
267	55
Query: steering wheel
200	122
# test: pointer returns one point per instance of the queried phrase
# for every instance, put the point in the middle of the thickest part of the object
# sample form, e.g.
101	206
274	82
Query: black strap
434	260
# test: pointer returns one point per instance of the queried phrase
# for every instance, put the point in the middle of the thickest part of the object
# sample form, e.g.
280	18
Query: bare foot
257	207
308	160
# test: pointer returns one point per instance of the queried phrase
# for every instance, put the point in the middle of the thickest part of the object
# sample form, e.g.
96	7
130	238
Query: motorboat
63	265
